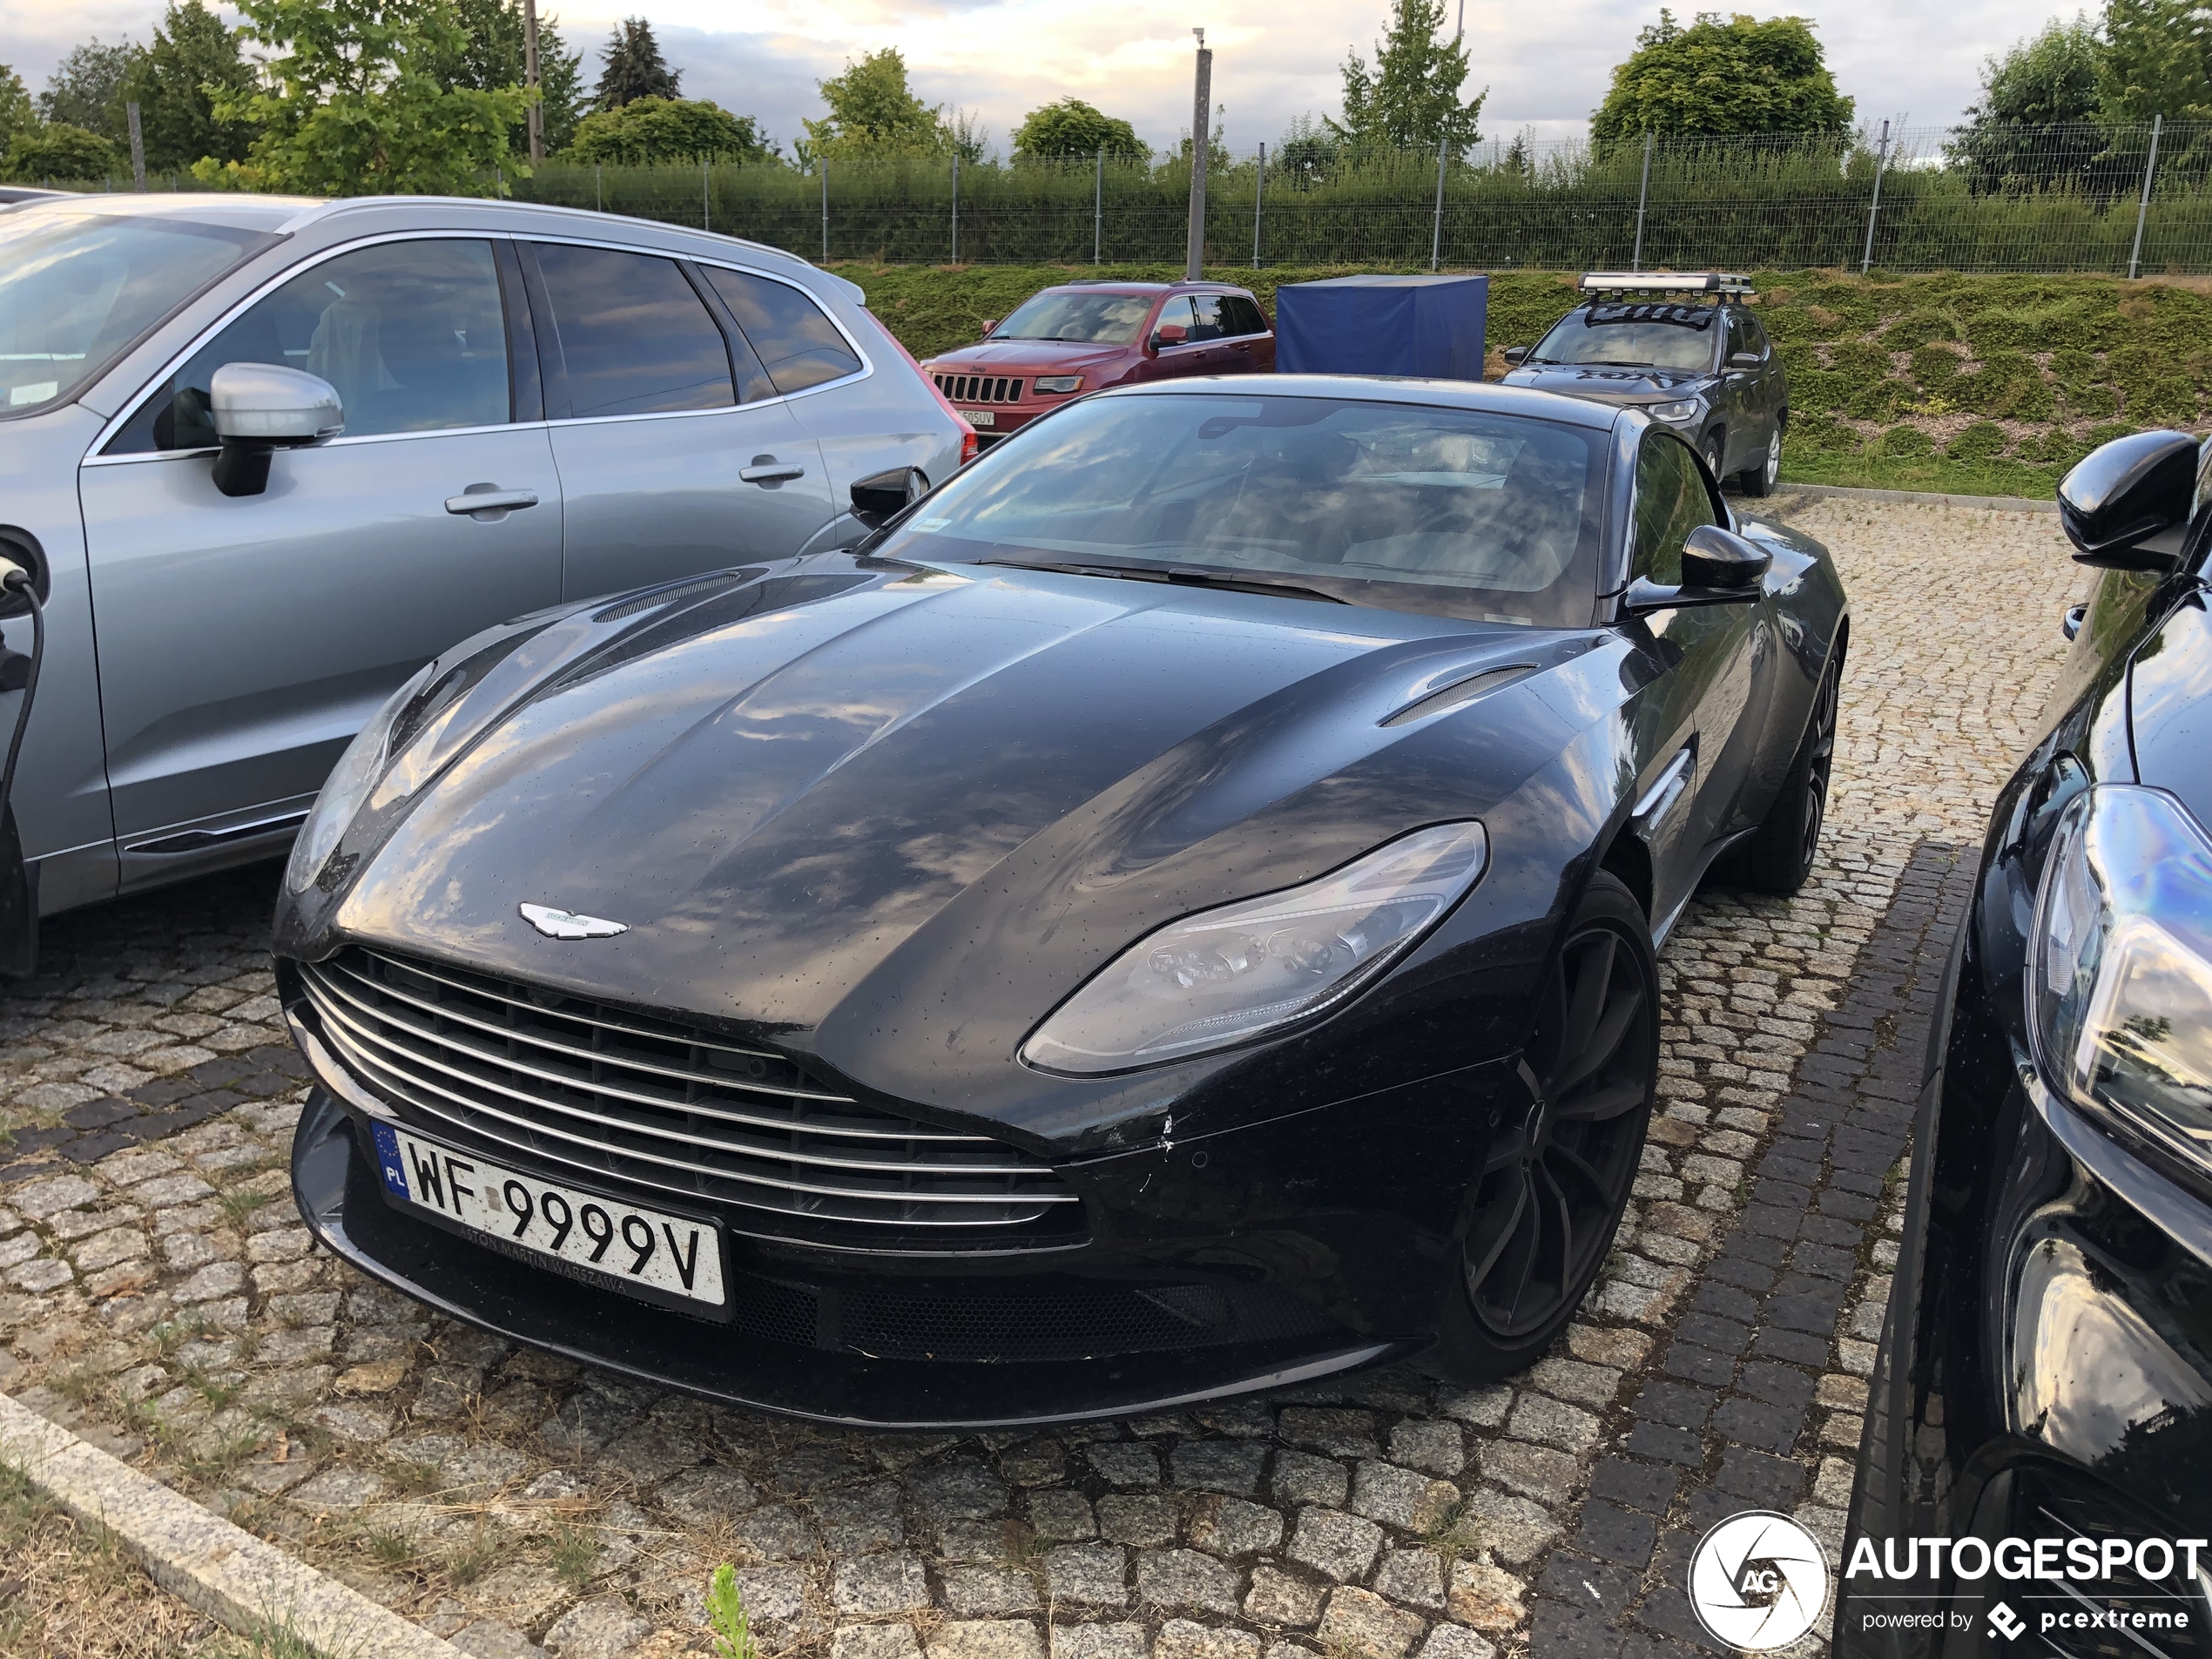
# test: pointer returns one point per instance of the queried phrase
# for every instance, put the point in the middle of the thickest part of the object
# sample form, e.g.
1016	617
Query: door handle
489	504
766	469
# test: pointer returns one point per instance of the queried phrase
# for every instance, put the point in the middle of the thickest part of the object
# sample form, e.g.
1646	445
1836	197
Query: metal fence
2114	200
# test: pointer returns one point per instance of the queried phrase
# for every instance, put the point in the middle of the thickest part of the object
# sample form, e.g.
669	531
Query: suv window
412	334
630	336
1177	314
1670	503
797	344
1240	316
1207	308
1754	336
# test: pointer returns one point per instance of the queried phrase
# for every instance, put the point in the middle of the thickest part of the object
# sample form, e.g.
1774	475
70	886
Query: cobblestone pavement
159	1294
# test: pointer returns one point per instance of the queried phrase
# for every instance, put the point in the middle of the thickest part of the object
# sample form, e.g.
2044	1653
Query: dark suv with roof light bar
1702	365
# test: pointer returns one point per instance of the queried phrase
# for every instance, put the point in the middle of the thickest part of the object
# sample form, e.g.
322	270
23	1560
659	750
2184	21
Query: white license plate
607	1242
981	417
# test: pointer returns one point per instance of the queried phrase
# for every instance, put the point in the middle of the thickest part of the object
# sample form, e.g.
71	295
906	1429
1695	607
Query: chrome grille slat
704	1109
980	388
741	1149
565	1081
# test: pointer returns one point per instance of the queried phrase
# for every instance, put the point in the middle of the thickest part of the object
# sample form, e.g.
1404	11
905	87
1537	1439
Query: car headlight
1058	382
1682	410
1226	975
2120	968
348	784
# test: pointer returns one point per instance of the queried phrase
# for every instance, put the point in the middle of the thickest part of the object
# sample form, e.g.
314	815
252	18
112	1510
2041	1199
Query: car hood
840	799
1610	384
999	355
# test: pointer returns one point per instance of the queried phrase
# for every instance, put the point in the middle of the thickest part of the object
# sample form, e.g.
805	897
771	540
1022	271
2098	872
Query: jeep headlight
2120	968
1686	408
1059	382
1228	975
347	786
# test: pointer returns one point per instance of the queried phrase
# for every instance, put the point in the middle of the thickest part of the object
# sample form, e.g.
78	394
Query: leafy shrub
1818	389
1983	441
1900	441
58	150
1935	367
1859	359
2092	403
1917	328
2168	399
2109	430
1880	399
2052	448
1816	433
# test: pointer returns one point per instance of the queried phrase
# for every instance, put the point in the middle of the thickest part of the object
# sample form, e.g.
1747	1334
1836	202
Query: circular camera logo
1758	1582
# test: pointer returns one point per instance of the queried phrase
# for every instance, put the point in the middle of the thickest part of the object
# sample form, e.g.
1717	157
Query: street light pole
530	79
1201	107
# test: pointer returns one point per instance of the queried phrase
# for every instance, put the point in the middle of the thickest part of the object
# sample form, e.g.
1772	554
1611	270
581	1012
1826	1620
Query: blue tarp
1425	325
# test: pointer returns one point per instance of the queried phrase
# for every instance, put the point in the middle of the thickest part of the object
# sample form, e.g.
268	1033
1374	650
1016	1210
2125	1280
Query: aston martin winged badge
566	924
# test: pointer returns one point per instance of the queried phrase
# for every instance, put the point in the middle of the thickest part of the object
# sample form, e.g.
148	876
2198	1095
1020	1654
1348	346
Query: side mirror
2126	505
1170	333
1745	359
990	326
260	407
877	499
1718	567
1516	354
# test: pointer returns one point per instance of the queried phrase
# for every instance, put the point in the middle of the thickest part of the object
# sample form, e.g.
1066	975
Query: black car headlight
2120	968
1228	975
347	786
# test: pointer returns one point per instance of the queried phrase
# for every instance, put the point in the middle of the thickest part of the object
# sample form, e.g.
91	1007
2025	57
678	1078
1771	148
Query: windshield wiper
1175	575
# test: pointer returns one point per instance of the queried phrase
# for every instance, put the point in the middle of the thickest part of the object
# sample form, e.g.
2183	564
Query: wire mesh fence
1977	199
2116	199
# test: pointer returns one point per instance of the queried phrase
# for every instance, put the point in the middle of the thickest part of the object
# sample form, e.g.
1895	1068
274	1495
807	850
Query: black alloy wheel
1715	451
1758	478
1779	854
1553	1185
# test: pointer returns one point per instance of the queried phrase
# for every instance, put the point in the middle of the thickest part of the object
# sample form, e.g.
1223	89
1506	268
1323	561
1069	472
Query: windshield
1100	319
1653	336
77	289
1394	505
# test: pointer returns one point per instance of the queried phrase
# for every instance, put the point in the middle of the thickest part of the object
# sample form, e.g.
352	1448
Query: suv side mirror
1745	359
2126	505
260	407
1718	567
1516	354
990	326
1170	333
876	499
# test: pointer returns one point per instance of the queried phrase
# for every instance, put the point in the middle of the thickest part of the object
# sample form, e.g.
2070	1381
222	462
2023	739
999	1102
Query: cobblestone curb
1778	1341
227	1574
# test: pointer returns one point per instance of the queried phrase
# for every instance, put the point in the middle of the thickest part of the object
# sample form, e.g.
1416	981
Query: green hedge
1881	369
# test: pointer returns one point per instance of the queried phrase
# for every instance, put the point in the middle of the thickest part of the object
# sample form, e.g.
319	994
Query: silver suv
539	406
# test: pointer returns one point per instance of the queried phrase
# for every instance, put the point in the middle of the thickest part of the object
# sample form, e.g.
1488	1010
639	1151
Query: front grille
980	388
1051	1316
574	1086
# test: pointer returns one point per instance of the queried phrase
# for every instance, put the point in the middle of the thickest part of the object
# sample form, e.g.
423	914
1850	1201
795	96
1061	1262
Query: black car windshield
1655	336
77	288
1097	319
1402	506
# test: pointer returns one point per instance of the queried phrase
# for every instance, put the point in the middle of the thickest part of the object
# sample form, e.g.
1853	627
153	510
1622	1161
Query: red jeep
1079	336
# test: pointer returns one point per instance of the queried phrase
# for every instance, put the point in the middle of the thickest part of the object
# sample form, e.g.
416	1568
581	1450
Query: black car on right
1684	349
2036	1472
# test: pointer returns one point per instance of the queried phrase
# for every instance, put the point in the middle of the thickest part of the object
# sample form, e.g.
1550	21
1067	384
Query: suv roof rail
1727	284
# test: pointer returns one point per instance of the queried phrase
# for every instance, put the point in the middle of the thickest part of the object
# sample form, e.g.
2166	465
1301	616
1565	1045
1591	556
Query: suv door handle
489	504
766	469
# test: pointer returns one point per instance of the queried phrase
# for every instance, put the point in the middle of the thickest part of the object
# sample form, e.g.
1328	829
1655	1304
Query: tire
1714	450
1543	1211
1757	479
1780	853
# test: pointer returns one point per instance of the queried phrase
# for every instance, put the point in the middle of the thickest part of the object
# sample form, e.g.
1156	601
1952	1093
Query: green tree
1072	127
1411	98
647	131
356	103
493	56
632	66
874	114
1721	77
2157	60
192	58
65	154
85	90
17	113
2016	134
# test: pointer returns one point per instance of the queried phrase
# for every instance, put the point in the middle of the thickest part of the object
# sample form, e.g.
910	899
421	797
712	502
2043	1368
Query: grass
1938	474
240	1206
573	1553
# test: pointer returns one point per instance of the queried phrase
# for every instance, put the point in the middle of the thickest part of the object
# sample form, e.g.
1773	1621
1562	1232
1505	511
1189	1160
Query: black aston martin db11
1169	913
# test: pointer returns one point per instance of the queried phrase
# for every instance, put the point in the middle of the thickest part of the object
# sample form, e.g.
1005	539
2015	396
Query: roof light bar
1664	282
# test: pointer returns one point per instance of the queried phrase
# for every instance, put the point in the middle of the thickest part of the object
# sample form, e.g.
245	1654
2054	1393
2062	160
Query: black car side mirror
1718	567
877	499
2126	505
1516	354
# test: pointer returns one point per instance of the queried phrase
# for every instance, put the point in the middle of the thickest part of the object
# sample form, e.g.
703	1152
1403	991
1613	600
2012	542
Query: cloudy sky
1547	65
